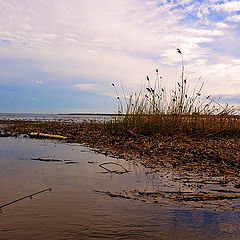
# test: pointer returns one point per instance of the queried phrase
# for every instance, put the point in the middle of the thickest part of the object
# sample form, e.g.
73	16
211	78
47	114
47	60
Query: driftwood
53	160
54	136
113	171
46	159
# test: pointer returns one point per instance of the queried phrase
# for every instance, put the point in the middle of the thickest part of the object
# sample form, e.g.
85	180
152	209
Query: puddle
122	201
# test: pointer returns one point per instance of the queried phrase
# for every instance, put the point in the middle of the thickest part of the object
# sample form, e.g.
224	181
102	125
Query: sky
62	56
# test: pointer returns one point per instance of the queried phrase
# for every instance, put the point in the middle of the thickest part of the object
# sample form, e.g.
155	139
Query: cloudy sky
63	55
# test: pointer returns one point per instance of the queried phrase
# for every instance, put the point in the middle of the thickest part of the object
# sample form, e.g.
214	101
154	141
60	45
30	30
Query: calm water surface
56	117
74	211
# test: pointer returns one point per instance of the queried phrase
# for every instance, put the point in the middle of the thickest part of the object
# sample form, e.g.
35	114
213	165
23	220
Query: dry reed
153	111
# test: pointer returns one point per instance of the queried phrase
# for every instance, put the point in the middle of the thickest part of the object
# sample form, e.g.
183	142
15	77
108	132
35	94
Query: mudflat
210	154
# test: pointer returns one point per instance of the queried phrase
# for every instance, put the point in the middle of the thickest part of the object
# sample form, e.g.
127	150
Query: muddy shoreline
216	156
205	170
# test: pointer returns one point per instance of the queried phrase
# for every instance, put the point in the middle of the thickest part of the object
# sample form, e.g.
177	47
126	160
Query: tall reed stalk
153	111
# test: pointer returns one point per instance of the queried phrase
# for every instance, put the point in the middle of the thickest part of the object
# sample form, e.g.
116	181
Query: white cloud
37	81
221	78
202	13
85	86
235	18
115	41
221	24
203	32
232	6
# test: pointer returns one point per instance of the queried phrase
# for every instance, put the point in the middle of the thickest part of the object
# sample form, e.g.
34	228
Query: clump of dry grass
153	111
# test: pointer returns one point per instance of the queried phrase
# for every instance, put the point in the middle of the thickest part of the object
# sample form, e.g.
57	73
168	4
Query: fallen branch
46	159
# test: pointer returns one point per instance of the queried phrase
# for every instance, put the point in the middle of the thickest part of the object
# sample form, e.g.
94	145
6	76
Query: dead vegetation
219	201
215	155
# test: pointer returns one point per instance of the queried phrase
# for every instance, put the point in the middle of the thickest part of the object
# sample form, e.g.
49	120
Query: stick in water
28	196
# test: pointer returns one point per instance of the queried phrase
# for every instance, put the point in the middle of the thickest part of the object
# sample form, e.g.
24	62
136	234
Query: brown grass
153	111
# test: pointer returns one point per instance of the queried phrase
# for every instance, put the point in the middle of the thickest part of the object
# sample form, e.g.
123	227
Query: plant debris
214	155
53	160
200	199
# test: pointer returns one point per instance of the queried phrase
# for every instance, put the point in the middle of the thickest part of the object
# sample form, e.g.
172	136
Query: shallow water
72	210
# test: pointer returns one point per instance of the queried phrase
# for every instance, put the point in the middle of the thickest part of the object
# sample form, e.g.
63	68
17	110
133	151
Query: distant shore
217	156
92	114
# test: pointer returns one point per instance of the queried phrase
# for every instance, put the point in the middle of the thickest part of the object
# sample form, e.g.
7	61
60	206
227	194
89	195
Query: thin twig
114	171
20	199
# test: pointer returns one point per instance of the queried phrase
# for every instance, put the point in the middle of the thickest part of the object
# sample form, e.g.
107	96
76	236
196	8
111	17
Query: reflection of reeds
153	111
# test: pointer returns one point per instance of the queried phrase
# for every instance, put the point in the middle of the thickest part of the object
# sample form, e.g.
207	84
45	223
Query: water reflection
73	211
